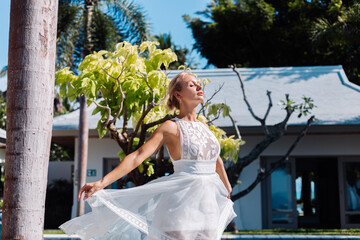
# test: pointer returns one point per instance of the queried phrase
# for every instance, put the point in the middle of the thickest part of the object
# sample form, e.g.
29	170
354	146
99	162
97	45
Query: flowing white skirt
186	205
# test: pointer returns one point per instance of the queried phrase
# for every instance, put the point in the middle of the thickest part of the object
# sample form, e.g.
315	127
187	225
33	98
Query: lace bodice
197	141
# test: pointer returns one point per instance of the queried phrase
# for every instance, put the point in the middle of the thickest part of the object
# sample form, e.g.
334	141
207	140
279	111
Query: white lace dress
190	204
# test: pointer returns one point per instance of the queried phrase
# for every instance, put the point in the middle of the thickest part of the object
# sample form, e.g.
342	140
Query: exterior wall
249	207
98	149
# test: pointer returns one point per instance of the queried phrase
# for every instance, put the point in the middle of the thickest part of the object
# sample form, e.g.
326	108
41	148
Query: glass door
280	197
349	187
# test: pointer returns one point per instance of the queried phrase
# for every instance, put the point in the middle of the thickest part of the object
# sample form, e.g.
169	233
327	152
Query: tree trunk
31	69
83	119
83	151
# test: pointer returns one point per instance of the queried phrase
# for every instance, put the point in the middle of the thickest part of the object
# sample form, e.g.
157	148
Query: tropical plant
340	39
3	72
91	25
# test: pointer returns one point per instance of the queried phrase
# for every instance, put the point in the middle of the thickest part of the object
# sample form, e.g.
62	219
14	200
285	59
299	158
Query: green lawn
54	232
355	231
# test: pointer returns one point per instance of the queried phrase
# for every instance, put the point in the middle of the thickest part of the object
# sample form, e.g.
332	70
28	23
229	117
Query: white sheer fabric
197	142
190	204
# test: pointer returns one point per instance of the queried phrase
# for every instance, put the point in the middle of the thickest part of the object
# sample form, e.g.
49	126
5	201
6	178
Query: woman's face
191	90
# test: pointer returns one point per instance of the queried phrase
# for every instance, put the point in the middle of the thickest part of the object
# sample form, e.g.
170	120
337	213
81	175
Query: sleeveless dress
190	204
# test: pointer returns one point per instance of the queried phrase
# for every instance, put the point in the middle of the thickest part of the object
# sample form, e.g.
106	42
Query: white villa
319	187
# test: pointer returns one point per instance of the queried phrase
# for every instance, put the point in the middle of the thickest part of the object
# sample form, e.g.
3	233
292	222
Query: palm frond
351	23
3	71
129	19
104	33
165	41
345	29
68	32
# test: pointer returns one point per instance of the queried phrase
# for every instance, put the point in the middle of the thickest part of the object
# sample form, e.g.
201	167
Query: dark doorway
317	193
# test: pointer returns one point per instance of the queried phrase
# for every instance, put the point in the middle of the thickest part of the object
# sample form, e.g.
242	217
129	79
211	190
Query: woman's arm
222	173
129	163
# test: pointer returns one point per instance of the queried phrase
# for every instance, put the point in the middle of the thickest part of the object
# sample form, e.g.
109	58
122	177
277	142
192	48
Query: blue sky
163	15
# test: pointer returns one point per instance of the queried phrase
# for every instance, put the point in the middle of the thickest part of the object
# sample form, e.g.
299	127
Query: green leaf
93	88
96	110
121	154
101	130
85	82
63	90
150	170
72	93
141	168
226	110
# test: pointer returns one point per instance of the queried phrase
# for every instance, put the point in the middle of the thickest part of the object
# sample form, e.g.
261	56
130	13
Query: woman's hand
89	189
229	191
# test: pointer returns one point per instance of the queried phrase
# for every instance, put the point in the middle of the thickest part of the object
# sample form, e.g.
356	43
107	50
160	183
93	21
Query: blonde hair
175	85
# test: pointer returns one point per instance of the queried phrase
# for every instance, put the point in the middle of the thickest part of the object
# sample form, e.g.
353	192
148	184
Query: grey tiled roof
337	99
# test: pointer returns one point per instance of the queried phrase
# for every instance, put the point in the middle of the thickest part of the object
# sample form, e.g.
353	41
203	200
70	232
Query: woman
193	203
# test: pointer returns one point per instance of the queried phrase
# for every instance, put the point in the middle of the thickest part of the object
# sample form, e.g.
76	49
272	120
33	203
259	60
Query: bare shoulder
205	124
168	128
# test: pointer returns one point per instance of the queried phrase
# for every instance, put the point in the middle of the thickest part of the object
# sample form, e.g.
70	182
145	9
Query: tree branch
235	126
125	123
266	130
152	90
108	113
143	115
160	121
244	95
216	117
145	127
268	93
277	132
121	103
262	174
120	88
118	137
165	95
202	109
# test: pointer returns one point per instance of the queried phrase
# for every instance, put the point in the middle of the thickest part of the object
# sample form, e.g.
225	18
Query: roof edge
268	70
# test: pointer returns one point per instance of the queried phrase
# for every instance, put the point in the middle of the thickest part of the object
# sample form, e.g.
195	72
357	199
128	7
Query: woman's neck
189	115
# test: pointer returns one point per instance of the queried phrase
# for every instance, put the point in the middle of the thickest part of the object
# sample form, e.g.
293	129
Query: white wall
248	208
98	150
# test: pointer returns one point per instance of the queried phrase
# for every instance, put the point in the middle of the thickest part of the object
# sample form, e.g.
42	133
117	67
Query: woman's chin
201	99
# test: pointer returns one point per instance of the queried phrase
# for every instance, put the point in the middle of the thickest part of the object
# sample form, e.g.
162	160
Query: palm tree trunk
83	151
83	119
31	69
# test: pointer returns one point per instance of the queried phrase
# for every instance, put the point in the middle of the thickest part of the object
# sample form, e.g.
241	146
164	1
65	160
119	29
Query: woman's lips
200	93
